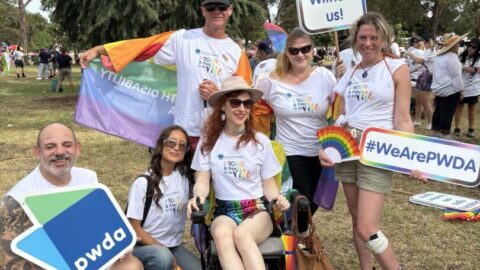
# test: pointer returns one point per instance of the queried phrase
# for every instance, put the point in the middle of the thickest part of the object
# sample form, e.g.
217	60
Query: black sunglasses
172	143
473	46
235	103
213	6
304	50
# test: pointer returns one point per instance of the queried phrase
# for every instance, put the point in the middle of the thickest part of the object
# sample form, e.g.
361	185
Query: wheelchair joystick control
198	217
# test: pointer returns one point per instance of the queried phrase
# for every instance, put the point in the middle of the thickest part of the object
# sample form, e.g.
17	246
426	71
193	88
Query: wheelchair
272	248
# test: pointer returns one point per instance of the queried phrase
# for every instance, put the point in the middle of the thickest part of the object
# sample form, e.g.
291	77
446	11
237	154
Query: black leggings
444	111
305	173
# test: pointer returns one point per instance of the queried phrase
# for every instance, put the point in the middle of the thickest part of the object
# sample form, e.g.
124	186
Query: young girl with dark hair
170	178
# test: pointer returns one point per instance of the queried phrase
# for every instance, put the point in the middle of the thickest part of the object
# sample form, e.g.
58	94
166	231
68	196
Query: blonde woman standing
376	93
299	95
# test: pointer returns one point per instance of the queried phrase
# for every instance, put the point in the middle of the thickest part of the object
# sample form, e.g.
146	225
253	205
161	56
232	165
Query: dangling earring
222	116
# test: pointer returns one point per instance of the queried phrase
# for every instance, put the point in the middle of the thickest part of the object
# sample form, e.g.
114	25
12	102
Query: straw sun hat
448	41
232	84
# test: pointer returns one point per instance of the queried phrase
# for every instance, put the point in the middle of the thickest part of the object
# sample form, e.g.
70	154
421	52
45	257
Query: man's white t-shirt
166	223
370	101
197	57
238	174
35	182
300	110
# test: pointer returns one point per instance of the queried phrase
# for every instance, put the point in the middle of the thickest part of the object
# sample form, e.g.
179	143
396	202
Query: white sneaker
429	126
39	79
416	124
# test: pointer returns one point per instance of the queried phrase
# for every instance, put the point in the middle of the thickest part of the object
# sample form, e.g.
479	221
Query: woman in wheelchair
241	164
157	204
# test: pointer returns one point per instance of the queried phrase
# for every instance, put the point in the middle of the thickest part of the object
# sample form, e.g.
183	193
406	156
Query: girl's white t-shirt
238	174
165	224
300	110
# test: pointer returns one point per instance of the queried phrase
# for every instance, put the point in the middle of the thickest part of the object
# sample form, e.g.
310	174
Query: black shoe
23	75
18	76
471	133
456	132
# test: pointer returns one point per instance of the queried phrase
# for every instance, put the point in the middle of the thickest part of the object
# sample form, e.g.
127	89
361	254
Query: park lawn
421	239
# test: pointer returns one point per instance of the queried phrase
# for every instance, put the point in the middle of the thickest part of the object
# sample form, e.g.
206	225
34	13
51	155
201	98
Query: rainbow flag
276	35
451	214
127	94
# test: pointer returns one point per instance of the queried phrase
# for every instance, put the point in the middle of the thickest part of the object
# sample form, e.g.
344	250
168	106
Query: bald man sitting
56	149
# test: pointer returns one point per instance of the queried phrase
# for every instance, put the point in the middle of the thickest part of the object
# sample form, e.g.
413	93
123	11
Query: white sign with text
320	16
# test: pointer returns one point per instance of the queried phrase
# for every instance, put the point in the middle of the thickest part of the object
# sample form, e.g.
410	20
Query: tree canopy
92	22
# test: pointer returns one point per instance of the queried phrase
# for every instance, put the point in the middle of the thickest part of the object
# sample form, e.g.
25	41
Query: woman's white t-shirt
165	224
300	110
238	174
370	101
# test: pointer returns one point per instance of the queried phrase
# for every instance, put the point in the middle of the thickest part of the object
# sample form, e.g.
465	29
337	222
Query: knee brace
377	243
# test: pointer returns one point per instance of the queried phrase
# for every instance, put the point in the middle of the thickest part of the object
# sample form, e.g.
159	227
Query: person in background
18	61
170	178
44	56
376	93
64	69
421	59
395	49
470	60
447	84
264	52
241	164
52	63
57	150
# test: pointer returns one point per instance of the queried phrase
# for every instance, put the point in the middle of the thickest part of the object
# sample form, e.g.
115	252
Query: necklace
365	71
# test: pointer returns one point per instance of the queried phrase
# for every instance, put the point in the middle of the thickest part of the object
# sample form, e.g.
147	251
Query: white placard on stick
320	16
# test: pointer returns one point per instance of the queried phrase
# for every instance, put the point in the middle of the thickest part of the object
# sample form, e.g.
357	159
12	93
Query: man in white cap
204	58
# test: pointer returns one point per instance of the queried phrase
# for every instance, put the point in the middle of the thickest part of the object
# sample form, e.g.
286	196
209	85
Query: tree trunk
434	19
477	24
23	24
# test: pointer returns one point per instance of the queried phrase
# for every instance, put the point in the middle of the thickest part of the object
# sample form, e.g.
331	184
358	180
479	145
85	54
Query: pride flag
128	95
276	35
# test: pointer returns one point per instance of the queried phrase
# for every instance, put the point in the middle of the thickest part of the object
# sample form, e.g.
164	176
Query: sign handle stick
337	48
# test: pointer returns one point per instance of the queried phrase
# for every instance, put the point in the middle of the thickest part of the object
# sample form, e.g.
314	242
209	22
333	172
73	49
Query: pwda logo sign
79	229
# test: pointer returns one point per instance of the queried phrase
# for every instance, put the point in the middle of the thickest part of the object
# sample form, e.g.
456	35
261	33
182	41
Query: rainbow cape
276	35
127	94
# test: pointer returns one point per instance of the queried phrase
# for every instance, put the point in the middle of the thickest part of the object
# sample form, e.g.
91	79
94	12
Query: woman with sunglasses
241	164
470	59
170	179
299	95
376	93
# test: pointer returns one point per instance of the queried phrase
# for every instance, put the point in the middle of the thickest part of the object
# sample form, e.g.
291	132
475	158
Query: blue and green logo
79	228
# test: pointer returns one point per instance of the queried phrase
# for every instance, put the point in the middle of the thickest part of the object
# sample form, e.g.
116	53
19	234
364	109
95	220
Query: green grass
421	239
